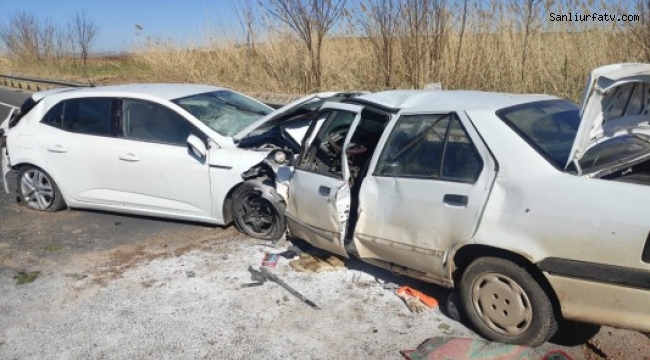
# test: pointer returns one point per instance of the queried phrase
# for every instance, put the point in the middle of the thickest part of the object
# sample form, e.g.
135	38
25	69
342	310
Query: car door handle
57	149
129	157
324	191
455	200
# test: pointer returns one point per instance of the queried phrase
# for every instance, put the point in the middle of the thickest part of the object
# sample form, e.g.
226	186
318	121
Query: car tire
38	191
505	303
258	210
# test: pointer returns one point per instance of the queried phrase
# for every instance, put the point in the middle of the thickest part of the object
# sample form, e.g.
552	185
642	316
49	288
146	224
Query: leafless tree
640	31
378	20
21	36
245	10
528	12
437	35
461	34
85	33
310	21
423	37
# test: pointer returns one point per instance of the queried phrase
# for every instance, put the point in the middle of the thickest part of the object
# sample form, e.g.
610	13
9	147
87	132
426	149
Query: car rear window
25	108
616	152
549	126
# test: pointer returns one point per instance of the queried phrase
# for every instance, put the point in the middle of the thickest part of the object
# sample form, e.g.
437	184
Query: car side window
90	116
433	146
143	120
323	156
54	116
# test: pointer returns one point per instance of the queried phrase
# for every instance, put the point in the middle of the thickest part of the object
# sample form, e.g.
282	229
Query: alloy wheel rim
256	214
502	304
36	189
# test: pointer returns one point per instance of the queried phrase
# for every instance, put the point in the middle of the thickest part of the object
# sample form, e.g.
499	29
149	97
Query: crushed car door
319	196
425	190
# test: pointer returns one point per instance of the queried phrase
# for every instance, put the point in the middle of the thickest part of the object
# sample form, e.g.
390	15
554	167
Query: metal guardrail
35	84
38	84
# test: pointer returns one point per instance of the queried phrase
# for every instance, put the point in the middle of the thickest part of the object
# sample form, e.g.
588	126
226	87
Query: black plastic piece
610	274
645	255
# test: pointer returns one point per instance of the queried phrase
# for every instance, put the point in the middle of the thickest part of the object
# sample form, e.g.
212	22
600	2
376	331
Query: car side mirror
197	146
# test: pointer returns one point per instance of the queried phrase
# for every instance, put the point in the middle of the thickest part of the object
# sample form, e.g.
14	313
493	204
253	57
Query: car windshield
615	152
548	126
224	111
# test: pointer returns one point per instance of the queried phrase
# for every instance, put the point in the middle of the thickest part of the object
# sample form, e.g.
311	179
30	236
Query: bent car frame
533	207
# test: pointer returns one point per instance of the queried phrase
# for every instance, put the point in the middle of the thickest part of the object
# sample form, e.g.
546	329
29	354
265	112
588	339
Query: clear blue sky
182	20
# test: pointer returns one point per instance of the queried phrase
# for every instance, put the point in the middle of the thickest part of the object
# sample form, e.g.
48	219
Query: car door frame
441	253
207	213
330	235
52	150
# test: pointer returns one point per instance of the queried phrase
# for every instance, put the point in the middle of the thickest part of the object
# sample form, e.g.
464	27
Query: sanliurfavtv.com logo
601	17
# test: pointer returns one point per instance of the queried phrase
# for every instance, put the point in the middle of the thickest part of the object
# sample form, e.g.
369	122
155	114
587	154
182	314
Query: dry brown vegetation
508	45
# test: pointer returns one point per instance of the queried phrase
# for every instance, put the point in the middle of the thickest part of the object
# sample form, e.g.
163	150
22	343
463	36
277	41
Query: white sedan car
190	152
533	207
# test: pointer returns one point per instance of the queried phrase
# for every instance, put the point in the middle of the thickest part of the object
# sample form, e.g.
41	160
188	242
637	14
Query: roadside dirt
131	287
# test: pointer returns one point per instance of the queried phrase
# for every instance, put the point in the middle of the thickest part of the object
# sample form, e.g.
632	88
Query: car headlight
280	157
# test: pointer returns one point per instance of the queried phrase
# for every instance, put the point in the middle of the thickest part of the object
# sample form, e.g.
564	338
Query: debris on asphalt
190	274
291	253
389	286
263	274
270	260
415	300
427	300
310	263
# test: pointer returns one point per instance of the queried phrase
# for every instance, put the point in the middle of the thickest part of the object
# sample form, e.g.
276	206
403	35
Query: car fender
226	168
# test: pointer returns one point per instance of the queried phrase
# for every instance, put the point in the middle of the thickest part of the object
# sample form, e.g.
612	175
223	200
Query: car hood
311	102
615	102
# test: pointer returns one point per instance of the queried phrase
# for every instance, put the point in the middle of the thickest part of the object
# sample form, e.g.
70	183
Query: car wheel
258	211
506	304
38	191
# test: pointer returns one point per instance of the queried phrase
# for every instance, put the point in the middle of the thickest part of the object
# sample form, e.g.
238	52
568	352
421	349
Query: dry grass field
499	48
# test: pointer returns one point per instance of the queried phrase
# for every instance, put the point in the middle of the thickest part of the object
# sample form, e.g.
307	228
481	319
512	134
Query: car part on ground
263	274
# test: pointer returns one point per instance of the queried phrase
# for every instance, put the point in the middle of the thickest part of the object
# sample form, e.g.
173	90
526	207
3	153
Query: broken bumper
6	168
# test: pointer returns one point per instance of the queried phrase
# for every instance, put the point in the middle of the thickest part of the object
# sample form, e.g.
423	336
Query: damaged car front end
183	151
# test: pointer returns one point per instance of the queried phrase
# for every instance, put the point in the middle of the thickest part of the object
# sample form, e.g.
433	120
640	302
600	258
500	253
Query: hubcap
36	189
256	214
502	304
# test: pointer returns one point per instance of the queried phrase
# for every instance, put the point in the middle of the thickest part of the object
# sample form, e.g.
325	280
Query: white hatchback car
534	208
190	152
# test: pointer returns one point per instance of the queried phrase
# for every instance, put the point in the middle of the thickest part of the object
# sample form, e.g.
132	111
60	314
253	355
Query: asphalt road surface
30	239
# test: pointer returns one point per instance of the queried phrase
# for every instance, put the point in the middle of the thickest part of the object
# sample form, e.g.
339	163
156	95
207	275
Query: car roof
448	100
162	91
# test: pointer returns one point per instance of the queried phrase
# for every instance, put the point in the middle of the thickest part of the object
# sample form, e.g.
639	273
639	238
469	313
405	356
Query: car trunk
613	138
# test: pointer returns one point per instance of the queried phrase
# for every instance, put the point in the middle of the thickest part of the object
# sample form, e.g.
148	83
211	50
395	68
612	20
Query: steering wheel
334	139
